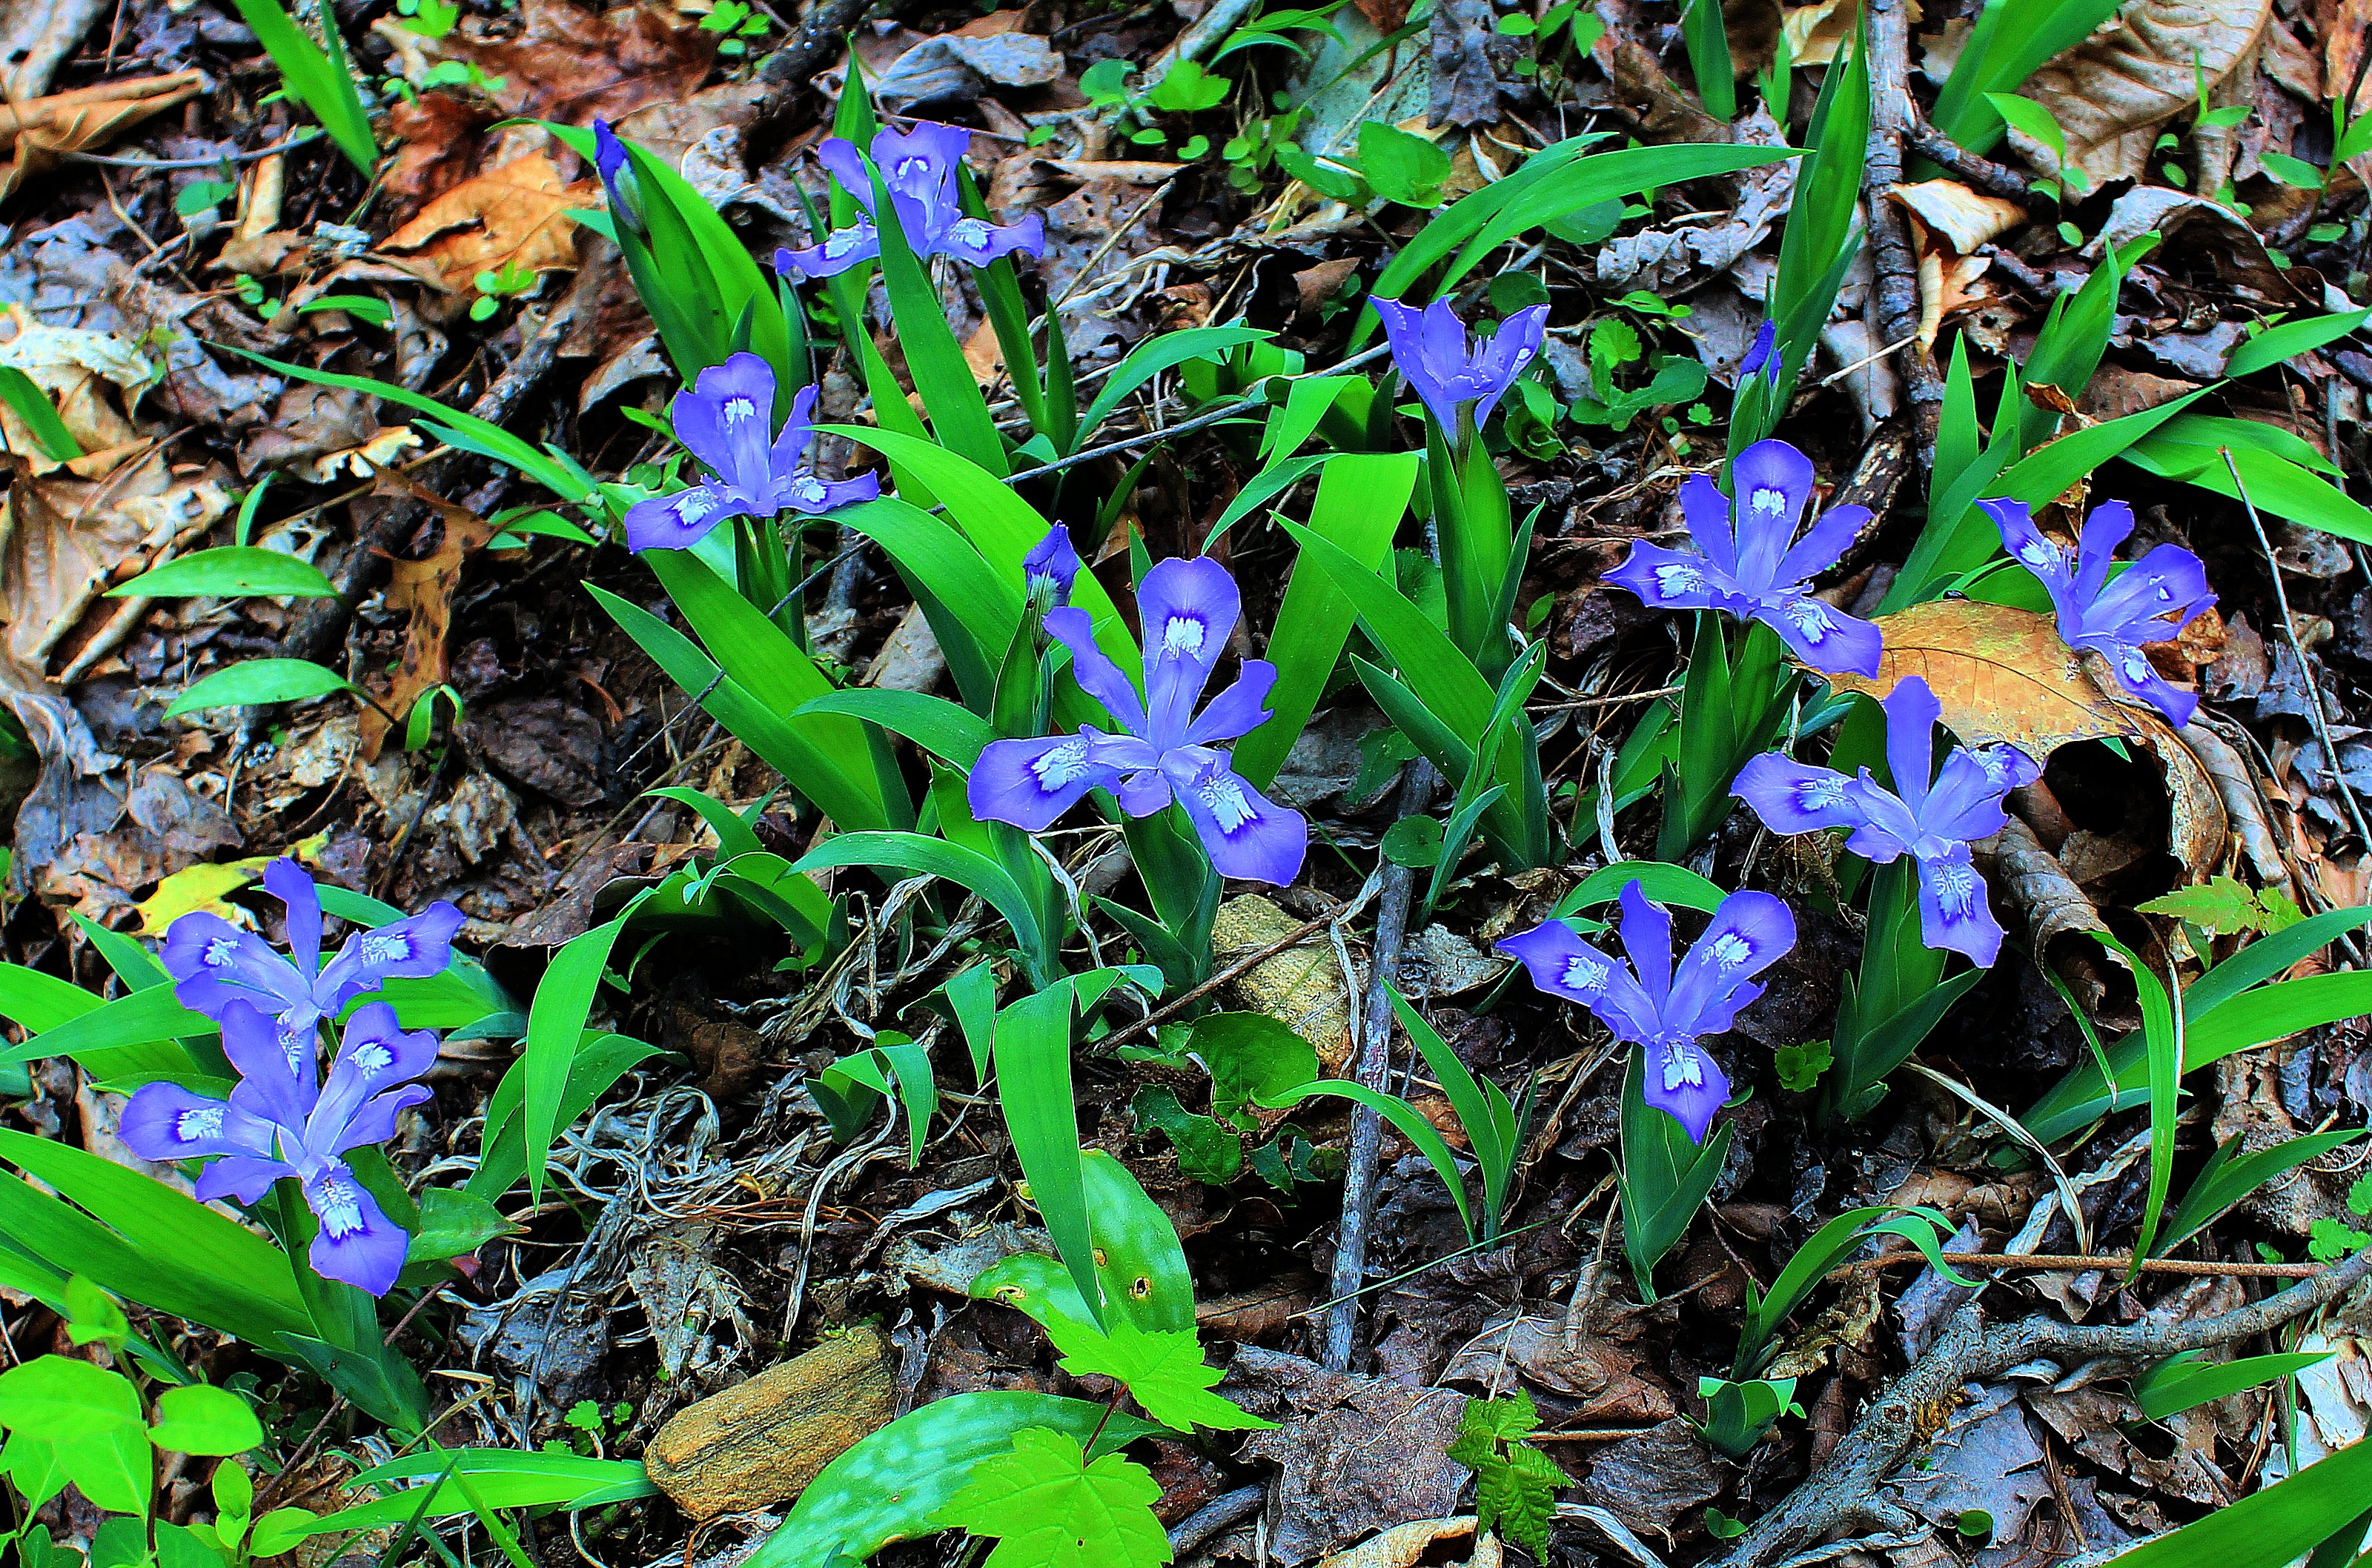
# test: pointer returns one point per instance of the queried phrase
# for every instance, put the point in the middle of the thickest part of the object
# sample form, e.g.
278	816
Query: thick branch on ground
1977	173
1893	256
1844	1494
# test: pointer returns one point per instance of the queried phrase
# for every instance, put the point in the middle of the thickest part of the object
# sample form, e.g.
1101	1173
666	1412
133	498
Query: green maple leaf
1164	1370
1051	1508
1515	1483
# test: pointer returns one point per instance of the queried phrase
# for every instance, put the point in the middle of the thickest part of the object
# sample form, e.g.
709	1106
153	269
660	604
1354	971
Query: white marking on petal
1809	616
807	491
1675	578
379	947
220	953
1585	974
200	1121
1229	805
1683	1067
373	1058
1732	951
2037	551
971	233
841	242
338	1205
694	505
1824	793
2136	665
1182	635
1956	889
739	411
1062	766
1766	505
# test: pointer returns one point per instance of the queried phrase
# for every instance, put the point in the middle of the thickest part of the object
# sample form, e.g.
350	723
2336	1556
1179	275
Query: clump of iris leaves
1062	712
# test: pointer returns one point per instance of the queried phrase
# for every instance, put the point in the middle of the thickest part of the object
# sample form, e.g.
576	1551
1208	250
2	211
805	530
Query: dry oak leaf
516	215
2112	93
82	121
2000	675
1962	218
571	63
424	589
440	145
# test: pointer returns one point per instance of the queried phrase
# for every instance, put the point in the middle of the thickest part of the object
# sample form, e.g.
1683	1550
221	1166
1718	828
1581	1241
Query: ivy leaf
1164	1370
1515	1483
1053	1509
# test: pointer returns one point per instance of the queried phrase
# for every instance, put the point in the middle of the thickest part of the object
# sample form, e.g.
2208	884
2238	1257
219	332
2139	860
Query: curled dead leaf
514	216
1962	218
2000	675
424	589
1401	1546
2053	911
571	63
83	120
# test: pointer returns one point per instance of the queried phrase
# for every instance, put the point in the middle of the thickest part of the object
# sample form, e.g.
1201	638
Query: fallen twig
1373	1069
1896	261
2072	1262
1843	1494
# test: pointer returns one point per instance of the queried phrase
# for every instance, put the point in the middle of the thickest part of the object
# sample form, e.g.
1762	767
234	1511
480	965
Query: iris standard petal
1749	933
1031	782
1187	606
274	1059
1955	914
734	413
1051	567
844	163
1670	579
683	519
1648	941
1796	797
414	948
922	158
1238	710
285	881
1248	836
376	1056
797	434
1097	676
2107	526
357	1243
373	1121
1966	803
1421	356
1708	512
166	1123
213	962
1682	1080
1495	363
1887	828
1912	711
1827	540
1772	482
1822	635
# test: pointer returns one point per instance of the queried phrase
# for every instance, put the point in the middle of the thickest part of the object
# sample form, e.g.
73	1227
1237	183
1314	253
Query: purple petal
376	1056
1670	579
2109	524
1031	782
810	496
977	242
1683	1081
357	1243
1966	804
1145	792
797	434
1648	940
414	948
683	519
1094	670
213	962
1749	933
1796	797
1501	358
1239	710
242	1176
2154	598
1761	354
374	1121
1189	607
1562	964
1823	543
1051	567
728	421
275	1059
1424	356
165	1122
1912	711
1772	482
285	881
1822	635
1708	514
617	177
1955	914
842	162
921	159
1887	828
840	249
2138	676
1250	837
2030	550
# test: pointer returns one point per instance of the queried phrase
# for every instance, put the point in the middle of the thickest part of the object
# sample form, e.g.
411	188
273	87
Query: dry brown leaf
570	63
1999	674
2111	94
75	368
1962	218
82	119
1401	1546
2199	830
440	150
516	215
388	443
426	590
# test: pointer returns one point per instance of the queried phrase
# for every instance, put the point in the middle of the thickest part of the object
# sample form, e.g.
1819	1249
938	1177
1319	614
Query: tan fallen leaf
1401	1546
2111	94
77	369
380	452
571	63
424	589
1999	674
82	121
516	217
1961	217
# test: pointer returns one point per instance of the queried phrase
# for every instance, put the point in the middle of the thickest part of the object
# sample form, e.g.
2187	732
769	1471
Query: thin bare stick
2077	1263
2297	651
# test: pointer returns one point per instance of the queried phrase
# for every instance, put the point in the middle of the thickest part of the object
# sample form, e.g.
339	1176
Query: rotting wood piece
760	1442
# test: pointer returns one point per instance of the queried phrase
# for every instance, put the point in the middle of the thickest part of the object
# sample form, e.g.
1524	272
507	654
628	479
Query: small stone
760	1442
